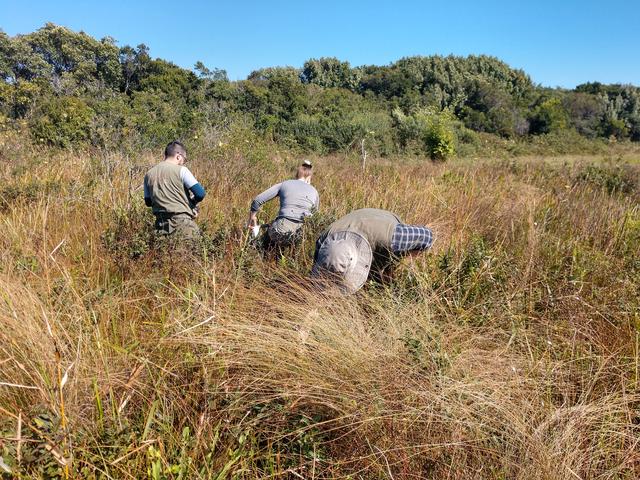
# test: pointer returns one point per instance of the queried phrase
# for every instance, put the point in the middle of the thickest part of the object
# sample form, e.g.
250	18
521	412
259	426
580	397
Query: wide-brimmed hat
346	257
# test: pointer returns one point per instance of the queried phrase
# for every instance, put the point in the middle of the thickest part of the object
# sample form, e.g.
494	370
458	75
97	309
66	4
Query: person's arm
260	200
411	238
319	242
191	184
147	193
198	193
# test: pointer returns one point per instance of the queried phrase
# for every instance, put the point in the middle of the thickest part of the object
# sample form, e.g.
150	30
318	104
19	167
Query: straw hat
347	255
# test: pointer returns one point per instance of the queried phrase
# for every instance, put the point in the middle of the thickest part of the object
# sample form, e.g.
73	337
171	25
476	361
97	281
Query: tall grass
511	350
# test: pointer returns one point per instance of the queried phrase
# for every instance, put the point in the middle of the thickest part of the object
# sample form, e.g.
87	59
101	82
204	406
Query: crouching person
346	251
173	193
298	200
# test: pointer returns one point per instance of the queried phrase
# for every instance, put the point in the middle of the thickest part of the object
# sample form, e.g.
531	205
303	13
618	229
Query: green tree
443	81
266	74
549	116
491	109
621	117
215	75
585	111
273	103
330	72
135	63
75	60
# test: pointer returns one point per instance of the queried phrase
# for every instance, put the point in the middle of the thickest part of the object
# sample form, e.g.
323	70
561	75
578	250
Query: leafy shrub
585	112
213	241
439	139
62	122
155	117
562	141
323	134
130	234
615	127
36	461
549	116
431	128
26	193
241	140
613	179
18	100
112	123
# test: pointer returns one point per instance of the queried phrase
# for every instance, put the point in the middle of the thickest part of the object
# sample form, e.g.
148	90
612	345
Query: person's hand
196	211
253	220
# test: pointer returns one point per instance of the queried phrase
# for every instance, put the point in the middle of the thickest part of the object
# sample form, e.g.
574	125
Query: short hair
173	148
304	172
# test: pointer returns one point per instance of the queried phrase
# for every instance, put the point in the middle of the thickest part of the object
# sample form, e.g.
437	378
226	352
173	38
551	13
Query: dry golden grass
509	351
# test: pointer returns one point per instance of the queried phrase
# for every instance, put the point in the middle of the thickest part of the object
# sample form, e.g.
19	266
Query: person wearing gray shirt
298	200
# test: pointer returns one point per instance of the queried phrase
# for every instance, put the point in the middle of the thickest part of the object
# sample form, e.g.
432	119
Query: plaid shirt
408	238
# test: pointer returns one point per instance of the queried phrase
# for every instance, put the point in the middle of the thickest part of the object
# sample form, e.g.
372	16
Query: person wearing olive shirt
173	194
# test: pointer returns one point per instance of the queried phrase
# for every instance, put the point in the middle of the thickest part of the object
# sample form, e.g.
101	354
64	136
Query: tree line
67	88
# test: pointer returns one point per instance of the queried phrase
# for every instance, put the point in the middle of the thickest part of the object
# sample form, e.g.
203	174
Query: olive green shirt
165	185
375	225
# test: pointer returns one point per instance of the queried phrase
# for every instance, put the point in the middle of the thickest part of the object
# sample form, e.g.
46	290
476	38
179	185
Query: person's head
305	171
175	152
343	259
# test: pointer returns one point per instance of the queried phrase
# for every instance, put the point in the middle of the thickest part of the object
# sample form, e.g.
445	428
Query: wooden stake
363	152
19	438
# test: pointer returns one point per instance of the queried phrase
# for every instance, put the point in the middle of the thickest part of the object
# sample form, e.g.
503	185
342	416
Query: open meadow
511	350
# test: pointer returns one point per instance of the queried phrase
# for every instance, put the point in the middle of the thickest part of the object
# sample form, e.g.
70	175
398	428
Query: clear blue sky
559	43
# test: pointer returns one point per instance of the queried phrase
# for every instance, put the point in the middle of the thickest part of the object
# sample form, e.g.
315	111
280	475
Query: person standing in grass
173	194
298	200
347	249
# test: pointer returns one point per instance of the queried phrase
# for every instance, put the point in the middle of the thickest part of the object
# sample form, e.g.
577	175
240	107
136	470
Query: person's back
298	199
376	225
172	192
165	188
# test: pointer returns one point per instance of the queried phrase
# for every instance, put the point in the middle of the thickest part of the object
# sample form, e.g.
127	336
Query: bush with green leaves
549	116
585	112
25	193
432	130
62	122
130	232
612	178
439	138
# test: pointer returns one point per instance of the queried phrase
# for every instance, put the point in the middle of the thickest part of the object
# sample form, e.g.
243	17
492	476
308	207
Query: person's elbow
198	192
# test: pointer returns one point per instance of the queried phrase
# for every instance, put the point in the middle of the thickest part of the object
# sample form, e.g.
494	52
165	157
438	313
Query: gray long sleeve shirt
298	199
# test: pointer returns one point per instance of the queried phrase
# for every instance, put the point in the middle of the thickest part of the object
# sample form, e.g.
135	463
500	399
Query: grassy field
510	351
